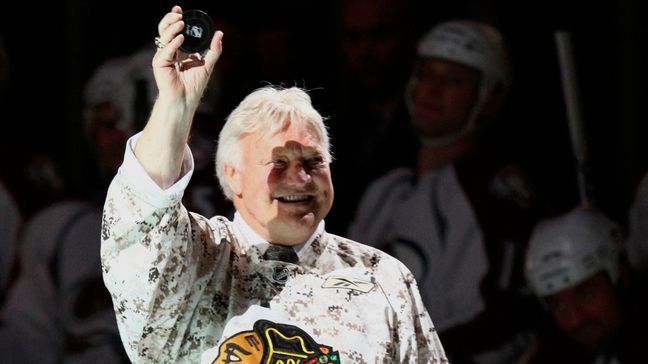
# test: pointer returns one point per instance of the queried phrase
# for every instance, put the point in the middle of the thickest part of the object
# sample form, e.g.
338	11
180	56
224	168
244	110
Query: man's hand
182	77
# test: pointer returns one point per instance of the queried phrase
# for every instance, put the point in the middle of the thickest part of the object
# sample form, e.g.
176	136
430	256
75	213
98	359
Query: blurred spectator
58	303
577	267
107	121
58	309
119	98
10	223
204	196
369	128
10	214
459	220
637	246
29	174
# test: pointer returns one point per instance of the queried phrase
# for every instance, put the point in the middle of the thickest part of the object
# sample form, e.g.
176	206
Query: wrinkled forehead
295	149
293	139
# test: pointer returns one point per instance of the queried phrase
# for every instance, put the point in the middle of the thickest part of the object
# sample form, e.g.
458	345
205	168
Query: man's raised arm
181	79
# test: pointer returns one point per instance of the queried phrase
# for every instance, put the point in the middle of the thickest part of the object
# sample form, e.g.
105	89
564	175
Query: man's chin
304	223
294	229
591	342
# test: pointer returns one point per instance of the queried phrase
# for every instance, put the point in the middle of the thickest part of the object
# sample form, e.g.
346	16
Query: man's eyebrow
306	151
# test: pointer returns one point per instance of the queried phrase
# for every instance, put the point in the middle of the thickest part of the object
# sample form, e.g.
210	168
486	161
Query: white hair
268	109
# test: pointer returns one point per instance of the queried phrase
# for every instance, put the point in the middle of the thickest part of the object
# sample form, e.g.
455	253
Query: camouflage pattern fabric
183	284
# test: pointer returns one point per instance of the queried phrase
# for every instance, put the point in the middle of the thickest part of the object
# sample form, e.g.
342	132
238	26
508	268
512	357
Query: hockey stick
572	103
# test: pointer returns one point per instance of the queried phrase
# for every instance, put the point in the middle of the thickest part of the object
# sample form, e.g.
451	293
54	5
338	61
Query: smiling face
283	186
443	97
588	312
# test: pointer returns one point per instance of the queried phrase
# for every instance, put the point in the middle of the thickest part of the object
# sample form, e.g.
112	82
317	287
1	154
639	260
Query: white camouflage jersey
187	289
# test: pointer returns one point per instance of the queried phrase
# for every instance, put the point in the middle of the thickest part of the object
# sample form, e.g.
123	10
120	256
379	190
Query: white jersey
430	224
189	289
443	247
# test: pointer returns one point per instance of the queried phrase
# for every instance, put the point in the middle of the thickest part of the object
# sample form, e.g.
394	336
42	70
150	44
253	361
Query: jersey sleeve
153	254
427	347
415	336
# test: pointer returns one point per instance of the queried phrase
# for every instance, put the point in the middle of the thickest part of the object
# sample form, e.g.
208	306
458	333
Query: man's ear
233	177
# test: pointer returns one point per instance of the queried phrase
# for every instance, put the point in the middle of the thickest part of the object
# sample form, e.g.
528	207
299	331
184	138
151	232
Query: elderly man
270	286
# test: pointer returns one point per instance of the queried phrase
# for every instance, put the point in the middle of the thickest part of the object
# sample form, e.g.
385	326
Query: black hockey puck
198	31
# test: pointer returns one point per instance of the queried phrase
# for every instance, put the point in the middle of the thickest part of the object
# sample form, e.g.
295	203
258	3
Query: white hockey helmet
472	44
116	81
566	250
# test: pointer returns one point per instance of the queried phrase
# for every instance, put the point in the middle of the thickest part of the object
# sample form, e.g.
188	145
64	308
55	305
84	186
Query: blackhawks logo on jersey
273	343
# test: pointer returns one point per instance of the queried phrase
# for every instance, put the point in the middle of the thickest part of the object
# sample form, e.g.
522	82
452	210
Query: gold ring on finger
158	43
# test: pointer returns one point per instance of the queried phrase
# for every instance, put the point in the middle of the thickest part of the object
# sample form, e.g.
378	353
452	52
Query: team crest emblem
273	343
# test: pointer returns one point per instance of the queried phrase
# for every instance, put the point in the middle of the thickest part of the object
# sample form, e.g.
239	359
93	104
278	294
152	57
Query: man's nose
297	175
432	86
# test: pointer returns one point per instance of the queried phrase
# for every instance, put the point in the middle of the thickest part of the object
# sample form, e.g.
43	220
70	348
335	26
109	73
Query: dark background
55	45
